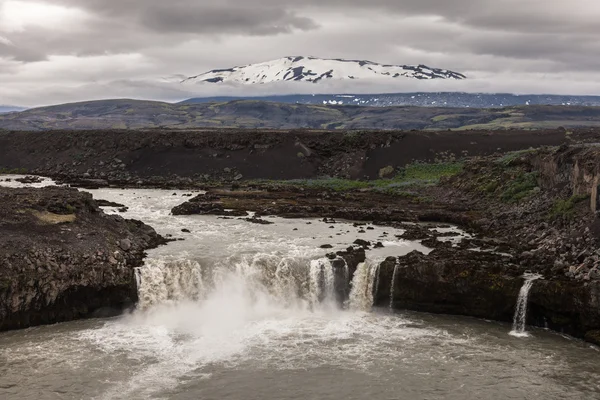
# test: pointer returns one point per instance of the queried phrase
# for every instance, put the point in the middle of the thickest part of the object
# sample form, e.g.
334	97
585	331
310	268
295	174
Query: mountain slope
315	70
134	114
437	99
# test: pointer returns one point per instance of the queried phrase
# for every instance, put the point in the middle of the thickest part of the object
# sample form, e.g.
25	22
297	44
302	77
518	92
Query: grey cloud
180	18
19	53
189	36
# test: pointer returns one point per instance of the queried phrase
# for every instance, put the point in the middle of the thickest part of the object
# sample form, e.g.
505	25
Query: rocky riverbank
529	211
529	200
62	258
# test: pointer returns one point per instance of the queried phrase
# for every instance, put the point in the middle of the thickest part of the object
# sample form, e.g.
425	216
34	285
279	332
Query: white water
301	283
364	286
162	281
520	318
392	287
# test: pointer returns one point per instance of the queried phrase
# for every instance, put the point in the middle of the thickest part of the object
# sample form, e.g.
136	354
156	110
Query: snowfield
315	70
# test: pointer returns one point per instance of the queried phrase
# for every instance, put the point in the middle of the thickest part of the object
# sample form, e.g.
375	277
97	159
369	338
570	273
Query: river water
246	311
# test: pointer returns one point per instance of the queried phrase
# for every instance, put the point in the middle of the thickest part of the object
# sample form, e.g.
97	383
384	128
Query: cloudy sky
66	50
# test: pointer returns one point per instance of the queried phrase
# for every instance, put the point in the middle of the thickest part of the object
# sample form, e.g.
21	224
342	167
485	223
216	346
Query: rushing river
245	311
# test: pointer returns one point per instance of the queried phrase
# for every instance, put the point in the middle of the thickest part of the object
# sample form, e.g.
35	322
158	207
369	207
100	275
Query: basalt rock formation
62	258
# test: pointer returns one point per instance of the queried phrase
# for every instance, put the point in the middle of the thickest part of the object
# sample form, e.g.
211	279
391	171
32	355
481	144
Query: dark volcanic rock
259	221
483	285
29	179
362	243
205	205
106	203
449	281
62	258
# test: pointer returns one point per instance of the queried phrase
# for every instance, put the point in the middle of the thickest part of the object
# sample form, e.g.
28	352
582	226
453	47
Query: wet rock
186	231
106	203
327	246
259	221
29	179
362	243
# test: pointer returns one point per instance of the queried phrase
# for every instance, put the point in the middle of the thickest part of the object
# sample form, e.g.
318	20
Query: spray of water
520	318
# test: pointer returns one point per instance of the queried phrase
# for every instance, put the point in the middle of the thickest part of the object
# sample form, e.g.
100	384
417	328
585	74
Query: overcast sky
66	50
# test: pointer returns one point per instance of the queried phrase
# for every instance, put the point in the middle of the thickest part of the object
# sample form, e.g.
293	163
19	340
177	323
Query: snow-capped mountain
315	70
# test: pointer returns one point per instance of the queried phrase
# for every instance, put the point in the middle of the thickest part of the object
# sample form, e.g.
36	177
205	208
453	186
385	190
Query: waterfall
291	282
322	281
364	286
167	281
392	286
520	318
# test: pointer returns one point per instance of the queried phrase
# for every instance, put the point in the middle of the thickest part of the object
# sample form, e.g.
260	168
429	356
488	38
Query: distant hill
443	99
134	114
7	109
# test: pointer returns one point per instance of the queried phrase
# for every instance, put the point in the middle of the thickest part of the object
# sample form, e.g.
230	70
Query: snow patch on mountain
315	70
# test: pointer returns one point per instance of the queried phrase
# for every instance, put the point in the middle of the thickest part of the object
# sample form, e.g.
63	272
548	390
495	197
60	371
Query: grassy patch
440	118
565	209
519	188
428	173
510	157
15	171
413	175
49	218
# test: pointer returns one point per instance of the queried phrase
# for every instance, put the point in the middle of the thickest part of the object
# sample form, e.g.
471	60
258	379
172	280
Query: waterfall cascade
520	318
322	281
289	281
162	281
392	287
364	286
293	282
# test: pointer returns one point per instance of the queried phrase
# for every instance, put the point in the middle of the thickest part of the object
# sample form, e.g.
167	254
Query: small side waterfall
520	318
364	286
392	287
